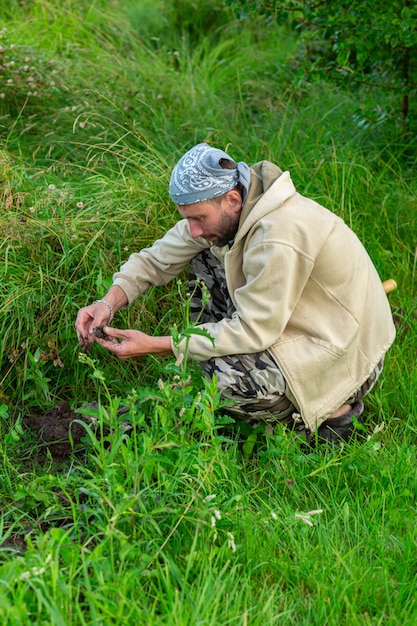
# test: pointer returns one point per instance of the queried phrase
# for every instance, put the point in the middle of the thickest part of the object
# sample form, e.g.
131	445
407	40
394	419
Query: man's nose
195	229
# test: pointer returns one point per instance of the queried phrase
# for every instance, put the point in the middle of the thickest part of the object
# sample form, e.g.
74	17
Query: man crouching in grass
298	313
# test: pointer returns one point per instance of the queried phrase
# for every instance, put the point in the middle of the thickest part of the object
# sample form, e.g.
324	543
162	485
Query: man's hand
126	344
88	319
98	314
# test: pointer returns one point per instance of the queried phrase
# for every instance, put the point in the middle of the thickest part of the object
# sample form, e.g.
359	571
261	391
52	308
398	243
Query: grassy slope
131	534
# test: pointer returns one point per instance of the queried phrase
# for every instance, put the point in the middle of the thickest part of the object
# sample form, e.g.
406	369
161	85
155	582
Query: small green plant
36	381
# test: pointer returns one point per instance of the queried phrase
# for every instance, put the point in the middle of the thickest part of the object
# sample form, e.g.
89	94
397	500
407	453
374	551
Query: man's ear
234	200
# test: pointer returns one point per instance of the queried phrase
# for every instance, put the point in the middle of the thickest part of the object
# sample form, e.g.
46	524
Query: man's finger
114	333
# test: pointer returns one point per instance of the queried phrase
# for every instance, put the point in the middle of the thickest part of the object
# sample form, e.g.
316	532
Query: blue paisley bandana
198	176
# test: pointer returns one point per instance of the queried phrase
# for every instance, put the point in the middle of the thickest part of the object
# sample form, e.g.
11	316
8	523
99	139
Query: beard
227	229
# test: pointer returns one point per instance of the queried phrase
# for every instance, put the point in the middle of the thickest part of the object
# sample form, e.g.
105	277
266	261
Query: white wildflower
231	542
210	497
217	514
35	571
274	515
378	428
305	517
179	360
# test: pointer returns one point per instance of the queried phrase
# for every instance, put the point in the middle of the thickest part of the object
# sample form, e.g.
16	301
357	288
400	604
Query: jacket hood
269	188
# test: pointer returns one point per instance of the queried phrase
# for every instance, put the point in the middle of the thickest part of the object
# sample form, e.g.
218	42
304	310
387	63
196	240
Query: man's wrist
161	345
114	299
109	306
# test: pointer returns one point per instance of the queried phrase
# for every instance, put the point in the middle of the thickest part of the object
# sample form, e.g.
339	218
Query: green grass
185	521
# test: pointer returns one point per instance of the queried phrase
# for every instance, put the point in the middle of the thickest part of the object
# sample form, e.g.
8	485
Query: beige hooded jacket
303	286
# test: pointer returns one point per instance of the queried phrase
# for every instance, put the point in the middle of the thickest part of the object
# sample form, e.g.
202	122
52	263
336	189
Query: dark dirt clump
61	429
99	332
57	429
14	543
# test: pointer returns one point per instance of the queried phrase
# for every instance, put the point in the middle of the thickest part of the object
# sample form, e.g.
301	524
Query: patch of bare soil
14	543
59	429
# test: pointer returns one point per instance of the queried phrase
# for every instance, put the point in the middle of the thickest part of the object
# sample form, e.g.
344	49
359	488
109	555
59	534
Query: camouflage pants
254	382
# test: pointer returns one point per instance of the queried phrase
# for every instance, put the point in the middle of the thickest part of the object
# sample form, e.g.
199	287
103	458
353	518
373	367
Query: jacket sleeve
160	263
275	275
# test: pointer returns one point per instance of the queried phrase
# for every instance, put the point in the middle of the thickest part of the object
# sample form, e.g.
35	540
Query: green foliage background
367	45
189	520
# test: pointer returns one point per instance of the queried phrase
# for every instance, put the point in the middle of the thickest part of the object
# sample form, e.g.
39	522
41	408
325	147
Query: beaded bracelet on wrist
108	305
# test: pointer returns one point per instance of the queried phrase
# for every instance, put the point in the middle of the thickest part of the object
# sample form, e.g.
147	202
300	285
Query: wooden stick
389	285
